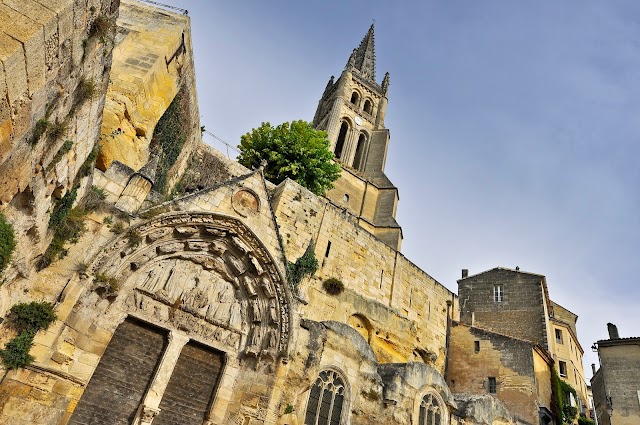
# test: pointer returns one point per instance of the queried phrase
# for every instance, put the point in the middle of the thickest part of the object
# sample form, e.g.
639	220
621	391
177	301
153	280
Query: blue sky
514	127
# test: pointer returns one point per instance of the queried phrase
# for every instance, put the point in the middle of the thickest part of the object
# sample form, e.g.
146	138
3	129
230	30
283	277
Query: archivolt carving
204	273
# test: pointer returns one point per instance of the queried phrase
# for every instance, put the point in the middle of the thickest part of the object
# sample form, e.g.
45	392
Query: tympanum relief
205	274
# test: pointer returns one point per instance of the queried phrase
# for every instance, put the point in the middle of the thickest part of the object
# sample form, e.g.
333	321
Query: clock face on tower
358	120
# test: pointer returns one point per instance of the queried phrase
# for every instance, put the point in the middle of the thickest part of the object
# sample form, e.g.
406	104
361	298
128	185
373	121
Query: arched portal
205	280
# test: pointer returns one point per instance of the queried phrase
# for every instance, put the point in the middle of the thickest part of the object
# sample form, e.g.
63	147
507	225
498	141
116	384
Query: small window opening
345	198
342	136
498	293
368	106
326	254
559	336
563	368
476	346
354	98
492	385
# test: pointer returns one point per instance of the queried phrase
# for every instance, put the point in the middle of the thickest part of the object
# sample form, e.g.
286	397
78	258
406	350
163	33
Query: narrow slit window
326	254
492	385
476	346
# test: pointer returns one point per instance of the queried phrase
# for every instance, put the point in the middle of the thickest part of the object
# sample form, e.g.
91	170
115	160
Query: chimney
613	331
465	273
593	368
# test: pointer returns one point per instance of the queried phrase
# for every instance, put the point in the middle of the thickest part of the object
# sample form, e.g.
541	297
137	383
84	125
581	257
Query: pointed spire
364	57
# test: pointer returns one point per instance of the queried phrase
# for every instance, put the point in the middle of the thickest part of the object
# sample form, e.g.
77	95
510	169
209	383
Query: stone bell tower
352	111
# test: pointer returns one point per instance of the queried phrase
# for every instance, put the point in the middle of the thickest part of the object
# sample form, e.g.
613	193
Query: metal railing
166	6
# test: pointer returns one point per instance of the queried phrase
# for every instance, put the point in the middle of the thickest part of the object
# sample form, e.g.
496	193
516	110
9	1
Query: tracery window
326	400
430	411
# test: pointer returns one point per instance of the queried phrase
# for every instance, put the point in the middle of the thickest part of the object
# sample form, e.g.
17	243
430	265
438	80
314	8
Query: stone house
616	384
516	304
181	311
516	371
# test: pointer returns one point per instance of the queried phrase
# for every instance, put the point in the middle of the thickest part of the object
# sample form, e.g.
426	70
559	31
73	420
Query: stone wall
54	66
618	379
522	312
368	268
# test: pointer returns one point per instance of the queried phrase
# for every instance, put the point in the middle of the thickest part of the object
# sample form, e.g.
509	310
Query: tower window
492	385
476	346
368	106
358	158
342	136
559	336
498	293
355	97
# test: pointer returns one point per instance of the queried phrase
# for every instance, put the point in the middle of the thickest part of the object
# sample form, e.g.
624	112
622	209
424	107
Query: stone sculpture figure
196	298
236	264
265	284
235	316
255	311
221	311
273	311
250	285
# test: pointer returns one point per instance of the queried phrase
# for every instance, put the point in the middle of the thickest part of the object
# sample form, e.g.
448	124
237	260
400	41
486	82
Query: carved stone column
333	126
149	408
349	148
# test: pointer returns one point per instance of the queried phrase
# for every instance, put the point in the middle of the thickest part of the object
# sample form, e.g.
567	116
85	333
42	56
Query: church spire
364	57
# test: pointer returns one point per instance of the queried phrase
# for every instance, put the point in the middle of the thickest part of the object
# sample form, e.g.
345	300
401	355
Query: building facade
616	384
514	305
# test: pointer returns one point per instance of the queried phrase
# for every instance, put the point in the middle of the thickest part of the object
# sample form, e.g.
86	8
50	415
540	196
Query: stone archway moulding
205	273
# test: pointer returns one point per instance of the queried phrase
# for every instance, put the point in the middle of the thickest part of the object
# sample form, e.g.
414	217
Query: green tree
291	150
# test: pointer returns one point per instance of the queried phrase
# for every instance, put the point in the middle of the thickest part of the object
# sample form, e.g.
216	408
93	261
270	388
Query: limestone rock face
482	410
55	70
152	60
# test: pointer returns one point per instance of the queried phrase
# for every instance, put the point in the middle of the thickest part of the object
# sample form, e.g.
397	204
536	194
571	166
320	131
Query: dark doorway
190	391
122	376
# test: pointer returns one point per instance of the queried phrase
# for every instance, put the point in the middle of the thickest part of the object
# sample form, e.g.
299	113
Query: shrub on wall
169	137
7	242
27	319
333	286
306	265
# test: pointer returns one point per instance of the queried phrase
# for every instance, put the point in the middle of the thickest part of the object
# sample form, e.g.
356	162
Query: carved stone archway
204	273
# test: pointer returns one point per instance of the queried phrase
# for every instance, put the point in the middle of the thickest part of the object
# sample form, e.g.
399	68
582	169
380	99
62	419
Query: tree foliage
291	150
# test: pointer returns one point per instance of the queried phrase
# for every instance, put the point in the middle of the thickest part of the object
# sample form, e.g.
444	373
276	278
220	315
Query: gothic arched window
368	106
355	97
430	411
342	137
326	399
